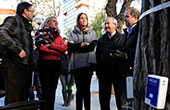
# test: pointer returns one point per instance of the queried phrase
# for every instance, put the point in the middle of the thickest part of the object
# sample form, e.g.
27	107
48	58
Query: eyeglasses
31	11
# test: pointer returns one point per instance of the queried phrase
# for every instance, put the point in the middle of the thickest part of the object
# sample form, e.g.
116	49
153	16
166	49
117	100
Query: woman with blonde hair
50	44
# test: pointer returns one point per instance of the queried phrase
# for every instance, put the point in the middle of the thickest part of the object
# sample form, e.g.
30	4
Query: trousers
83	80
17	81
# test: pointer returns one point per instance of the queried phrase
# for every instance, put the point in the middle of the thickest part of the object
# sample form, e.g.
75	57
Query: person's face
53	24
110	27
65	41
83	20
29	14
128	19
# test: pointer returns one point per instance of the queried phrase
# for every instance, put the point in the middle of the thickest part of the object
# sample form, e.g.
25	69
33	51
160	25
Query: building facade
7	7
71	8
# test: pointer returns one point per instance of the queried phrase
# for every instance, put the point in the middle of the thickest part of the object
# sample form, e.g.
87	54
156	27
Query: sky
135	3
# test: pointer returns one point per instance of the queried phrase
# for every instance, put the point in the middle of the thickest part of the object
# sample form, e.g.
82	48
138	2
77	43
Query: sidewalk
94	98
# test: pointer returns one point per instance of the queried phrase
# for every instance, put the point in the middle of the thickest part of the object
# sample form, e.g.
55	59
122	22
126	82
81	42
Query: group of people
111	56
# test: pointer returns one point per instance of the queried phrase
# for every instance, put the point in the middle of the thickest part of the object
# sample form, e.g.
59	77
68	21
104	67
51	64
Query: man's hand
118	54
22	54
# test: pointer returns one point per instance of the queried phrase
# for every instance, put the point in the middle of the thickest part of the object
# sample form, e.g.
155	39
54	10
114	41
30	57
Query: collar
24	19
110	36
129	30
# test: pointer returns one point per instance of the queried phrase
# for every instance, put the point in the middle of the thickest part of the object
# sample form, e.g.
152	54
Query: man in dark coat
108	71
128	43
16	37
129	39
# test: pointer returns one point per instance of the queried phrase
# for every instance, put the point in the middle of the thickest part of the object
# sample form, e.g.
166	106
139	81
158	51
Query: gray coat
80	58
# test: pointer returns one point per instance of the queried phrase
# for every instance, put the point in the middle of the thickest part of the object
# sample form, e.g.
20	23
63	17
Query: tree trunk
111	8
152	52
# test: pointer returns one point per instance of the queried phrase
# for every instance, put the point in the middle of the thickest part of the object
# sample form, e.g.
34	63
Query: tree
153	51
46	7
97	23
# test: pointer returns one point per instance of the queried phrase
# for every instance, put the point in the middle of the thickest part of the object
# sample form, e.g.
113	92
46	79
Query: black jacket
15	35
64	60
130	45
105	62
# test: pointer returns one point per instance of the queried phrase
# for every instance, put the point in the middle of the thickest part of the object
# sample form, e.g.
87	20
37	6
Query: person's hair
114	21
65	38
78	18
21	6
133	12
47	21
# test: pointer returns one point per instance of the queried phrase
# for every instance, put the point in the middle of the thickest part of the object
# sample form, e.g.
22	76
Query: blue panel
152	90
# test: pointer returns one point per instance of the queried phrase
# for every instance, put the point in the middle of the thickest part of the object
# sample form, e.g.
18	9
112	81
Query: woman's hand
84	44
72	42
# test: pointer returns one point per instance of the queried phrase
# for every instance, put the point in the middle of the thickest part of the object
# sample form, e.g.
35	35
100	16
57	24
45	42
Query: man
16	37
108	71
129	39
128	43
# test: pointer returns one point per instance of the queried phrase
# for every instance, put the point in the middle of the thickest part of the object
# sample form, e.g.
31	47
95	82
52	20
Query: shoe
69	98
65	98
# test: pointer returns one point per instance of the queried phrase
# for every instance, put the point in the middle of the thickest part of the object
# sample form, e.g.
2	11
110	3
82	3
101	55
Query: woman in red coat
50	44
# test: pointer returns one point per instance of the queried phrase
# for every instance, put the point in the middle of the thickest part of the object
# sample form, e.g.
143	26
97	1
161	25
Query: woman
65	78
50	45
82	41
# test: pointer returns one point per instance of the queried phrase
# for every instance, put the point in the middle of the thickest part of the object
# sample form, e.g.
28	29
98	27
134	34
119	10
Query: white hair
114	21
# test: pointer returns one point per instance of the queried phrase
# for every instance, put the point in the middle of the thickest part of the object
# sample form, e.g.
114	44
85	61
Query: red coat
53	51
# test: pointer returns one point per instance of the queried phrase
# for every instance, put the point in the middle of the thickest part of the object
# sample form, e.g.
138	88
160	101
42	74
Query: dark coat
130	45
64	61
105	62
15	35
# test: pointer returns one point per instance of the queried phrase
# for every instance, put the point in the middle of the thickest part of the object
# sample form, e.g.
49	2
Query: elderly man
108	70
16	37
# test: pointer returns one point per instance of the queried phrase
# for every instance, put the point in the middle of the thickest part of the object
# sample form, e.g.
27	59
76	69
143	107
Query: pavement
94	98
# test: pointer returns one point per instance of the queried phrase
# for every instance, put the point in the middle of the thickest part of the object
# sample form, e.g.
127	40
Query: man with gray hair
108	71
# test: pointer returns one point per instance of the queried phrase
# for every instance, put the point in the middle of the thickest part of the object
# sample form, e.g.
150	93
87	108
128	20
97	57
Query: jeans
66	82
37	84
